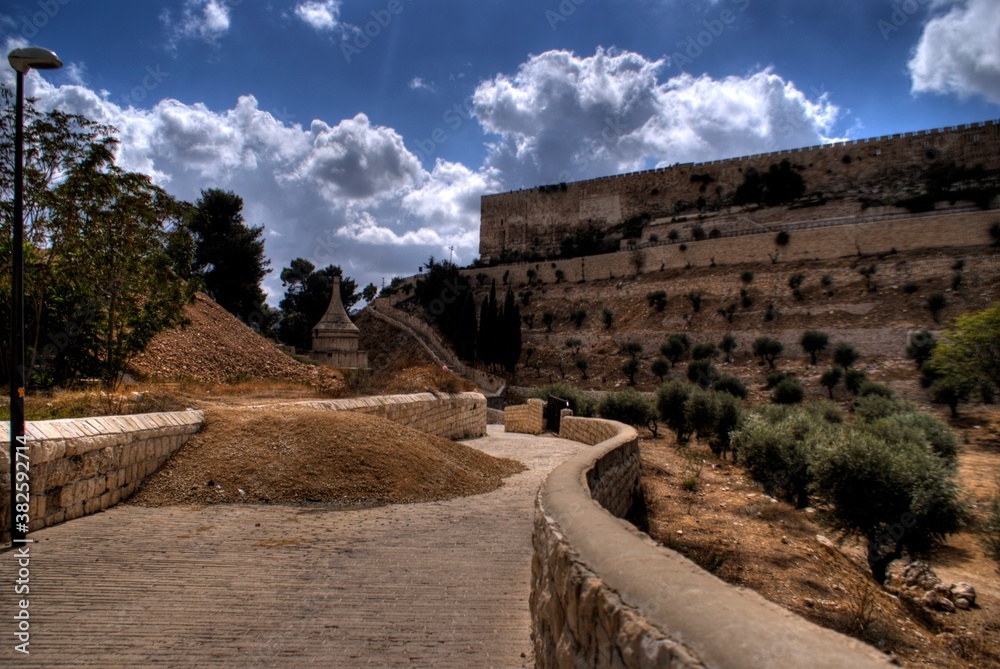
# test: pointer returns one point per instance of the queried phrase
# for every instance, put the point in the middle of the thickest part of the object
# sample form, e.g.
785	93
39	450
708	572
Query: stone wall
604	595
461	416
526	418
495	417
822	242
539	219
82	466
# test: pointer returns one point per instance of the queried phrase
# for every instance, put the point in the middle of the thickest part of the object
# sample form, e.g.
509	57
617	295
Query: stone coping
722	625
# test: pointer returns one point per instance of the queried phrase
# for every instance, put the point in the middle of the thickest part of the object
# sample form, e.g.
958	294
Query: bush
704	351
657	299
875	407
789	391
827	411
767	349
782	238
728	383
698	233
831	378
898	496
712	417
670	400
853	380
990	537
630	369
746	300
702	372
577	317
845	355
774	378
728	345
579	402
676	346
608	318
631	348
916	427
776	448
921	347
628	406
870	388
910	287
746	276
660	368
814	343
695	299
582	365
936	304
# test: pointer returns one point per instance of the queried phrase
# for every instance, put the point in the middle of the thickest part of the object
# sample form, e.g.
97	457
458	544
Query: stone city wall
85	465
461	416
526	418
537	220
604	595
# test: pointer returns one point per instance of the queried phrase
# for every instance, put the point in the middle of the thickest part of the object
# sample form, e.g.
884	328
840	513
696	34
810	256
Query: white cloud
418	84
959	51
564	117
207	20
322	15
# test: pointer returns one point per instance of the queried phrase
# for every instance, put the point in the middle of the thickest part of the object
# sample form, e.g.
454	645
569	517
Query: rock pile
919	582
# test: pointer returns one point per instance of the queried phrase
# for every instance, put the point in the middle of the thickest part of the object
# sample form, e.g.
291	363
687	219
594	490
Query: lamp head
28	57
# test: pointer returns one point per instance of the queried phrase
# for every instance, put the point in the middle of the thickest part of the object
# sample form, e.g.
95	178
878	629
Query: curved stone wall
605	595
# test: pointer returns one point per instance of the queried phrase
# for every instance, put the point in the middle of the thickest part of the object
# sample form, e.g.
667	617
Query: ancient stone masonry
537	220
461	416
335	338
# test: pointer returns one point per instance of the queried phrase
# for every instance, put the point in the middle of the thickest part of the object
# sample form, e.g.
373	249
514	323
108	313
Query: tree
582	365
307	296
814	343
660	368
728	345
630	369
845	355
788	391
676	346
577	317
704	351
630	407
229	255
631	348
702	372
670	400
831	378
921	347
575	344
695	299
767	349
548	318
608	317
369	293
727	383
795	283
969	352
936	304
657	299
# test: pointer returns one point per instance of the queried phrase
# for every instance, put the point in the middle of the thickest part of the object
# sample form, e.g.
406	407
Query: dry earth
728	526
295	454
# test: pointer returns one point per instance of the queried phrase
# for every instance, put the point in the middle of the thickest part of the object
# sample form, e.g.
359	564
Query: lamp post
21	60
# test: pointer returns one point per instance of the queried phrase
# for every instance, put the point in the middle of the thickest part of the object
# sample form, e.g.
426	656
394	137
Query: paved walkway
441	584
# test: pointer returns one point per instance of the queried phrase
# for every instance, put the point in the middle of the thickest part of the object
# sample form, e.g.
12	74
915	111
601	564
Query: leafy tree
845	355
631	348
630	407
608	317
969	352
577	317
746	276
795	283
307	296
777	446
670	400
728	383
854	379
574	344
660	368
548	318
936	304
789	391
952	391
767	349
831	378
704	351
229	255
728	312
582	365
695	299
676	346
713	417
702	372
657	299
814	343
579	402
369	292
728	345
630	369
921	347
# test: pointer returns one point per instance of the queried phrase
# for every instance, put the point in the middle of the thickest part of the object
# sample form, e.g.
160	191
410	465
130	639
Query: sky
363	133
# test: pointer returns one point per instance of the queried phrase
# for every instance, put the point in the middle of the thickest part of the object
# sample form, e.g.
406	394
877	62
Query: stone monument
335	338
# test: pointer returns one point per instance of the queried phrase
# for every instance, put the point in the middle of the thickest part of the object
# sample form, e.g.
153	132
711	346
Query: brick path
441	584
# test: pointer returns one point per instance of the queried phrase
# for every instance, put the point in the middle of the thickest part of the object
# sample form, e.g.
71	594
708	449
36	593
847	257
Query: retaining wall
525	418
82	466
605	595
461	416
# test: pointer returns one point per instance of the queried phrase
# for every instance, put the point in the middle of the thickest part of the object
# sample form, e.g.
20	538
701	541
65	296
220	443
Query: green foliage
676	347
630	369
777	448
695	299
767	349
713	417
911	287
657	299
869	388
727	383
574	344
845	355
952	391
628	406
936	304
921	347
746	276
670	400
968	354
608	317
789	391
582	365
307	296
746	299
631	348
916	427
831	378
548	318
660	368
584	242
795	283
579	402
728	312
698	233
990	529
814	343
727	345
869	275
776	377
702	372
577	316
854	379
874	407
704	351
782	238
633	227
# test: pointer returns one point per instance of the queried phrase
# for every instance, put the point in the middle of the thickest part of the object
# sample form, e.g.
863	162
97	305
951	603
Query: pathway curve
440	584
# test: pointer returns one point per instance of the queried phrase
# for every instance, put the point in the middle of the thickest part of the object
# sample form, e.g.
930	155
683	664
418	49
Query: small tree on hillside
831	378
582	365
670	400
675	348
728	345
768	350
845	355
608	318
630	369
548	318
921	347
577	317
936	304
814	343
660	368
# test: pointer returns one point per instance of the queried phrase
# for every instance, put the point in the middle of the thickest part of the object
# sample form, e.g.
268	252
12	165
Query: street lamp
21	60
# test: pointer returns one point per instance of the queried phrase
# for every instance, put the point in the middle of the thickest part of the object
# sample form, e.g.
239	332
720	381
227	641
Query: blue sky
362	132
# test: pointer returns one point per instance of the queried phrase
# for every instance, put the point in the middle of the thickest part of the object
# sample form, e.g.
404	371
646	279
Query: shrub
814	343
990	536
628	406
712	417
676	346
770	313
560	276
728	312
789	391
548	318
776	448
574	344
782	238
845	355
577	317
682	247
795	283
921	347
853	379
869	275
728	345
657	299
952	391
631	348
695	299
698	233
673	235
702	372
746	300
774	378
916	427
579	402
660	368
670	400
831	378
767	349
582	365
875	407
936	304
827	411
910	287
608	318
898	496
956	282
870	388
630	369
746	276
727	383
704	351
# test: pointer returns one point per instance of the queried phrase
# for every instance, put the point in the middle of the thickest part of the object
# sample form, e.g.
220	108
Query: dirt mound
295	454
214	346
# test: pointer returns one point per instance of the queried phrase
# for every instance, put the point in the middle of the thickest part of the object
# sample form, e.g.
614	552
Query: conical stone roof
335	319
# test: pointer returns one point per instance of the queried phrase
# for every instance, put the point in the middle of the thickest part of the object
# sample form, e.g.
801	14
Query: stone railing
525	418
604	595
82	466
461	416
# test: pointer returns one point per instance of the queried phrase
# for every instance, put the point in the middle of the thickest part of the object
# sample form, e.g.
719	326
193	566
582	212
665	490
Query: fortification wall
460	416
538	219
81	466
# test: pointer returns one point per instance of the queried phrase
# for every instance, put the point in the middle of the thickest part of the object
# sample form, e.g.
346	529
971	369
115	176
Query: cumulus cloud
564	117
959	51
322	15
207	20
